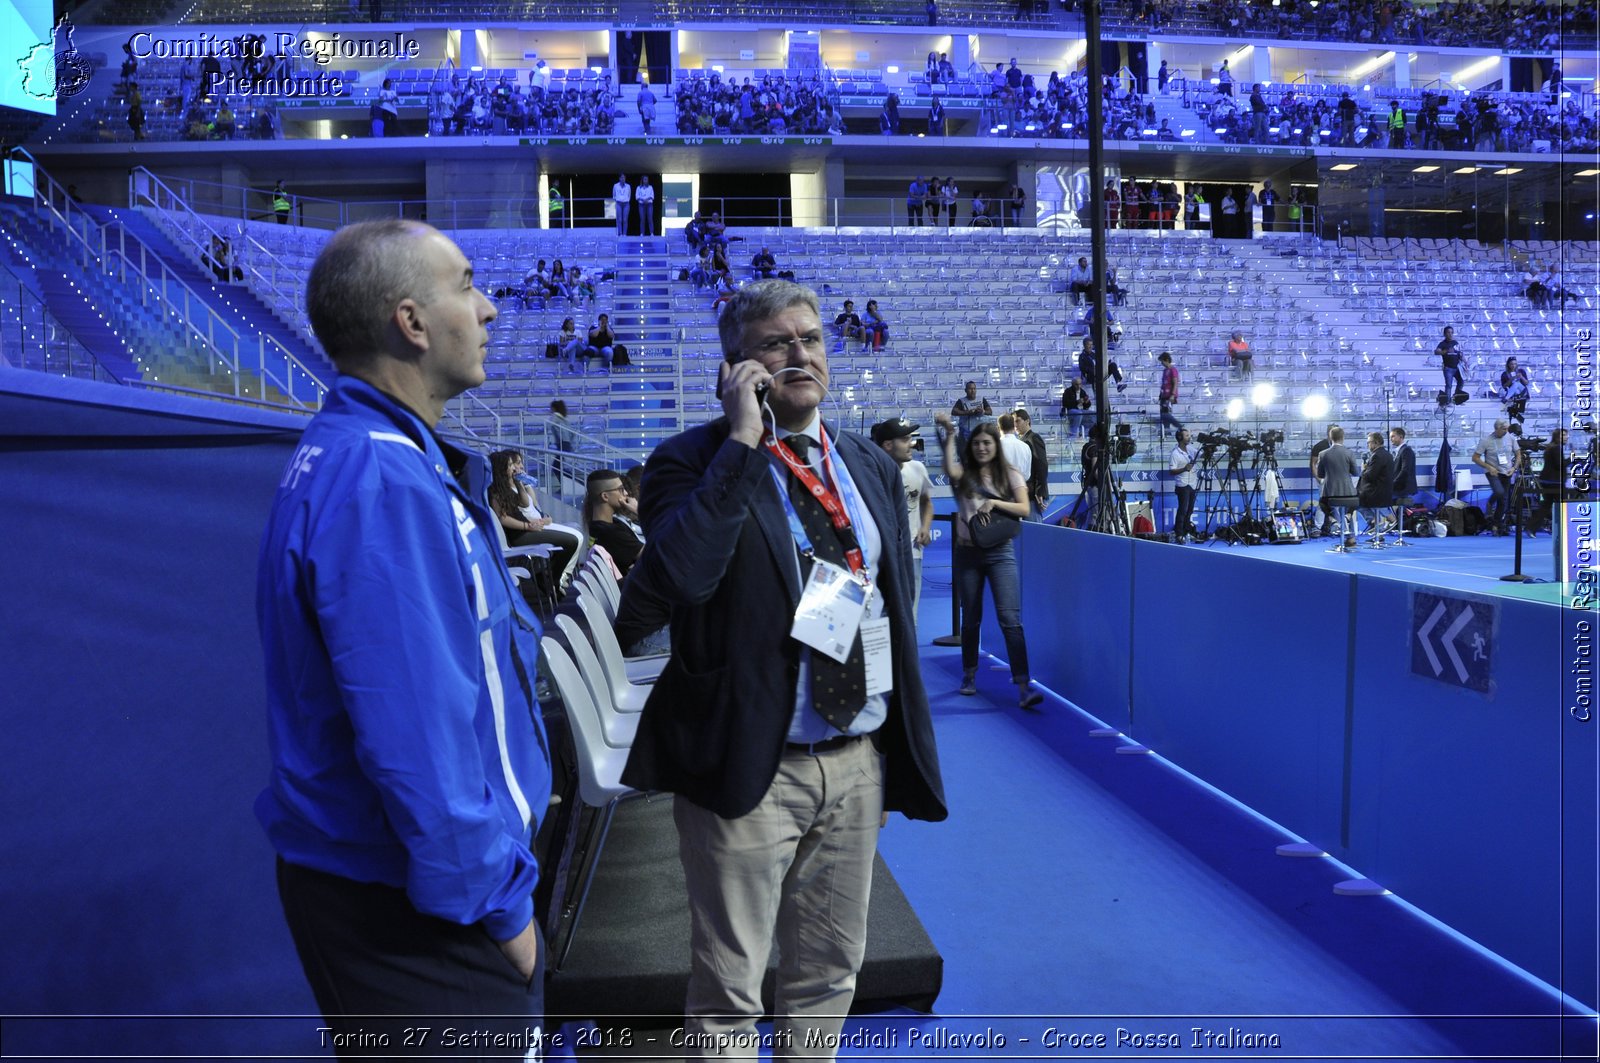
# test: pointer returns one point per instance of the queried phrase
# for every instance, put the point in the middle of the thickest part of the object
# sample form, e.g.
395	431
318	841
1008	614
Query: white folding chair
619	724
599	785
593	584
623	673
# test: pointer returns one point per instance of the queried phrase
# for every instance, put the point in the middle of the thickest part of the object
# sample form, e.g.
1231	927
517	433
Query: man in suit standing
783	756
1376	488
1405	479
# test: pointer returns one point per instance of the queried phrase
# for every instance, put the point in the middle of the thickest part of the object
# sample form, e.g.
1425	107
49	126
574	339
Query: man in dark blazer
780	793
1375	490
1405	478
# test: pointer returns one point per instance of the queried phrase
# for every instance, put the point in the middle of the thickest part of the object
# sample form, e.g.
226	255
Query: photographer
1498	455
1552	478
1185	457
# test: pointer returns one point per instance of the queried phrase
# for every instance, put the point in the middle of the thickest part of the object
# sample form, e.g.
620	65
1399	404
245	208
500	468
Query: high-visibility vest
1397	119
280	202
557	204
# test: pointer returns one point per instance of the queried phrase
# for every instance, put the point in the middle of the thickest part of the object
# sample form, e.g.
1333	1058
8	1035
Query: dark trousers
1499	498
382	973
998	566
1183	524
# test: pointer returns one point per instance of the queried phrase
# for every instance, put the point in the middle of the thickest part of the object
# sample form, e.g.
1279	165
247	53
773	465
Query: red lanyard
837	514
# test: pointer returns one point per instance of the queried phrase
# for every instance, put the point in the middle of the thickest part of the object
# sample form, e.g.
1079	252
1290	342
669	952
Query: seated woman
517	508
582	285
559	282
569	344
876	325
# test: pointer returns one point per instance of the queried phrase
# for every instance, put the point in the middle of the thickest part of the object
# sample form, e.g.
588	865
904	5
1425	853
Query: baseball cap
894	428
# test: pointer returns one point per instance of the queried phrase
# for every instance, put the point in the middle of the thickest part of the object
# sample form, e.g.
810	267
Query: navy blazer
1405	471
715	724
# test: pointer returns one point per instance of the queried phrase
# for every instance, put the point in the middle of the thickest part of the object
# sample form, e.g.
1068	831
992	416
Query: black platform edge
630	962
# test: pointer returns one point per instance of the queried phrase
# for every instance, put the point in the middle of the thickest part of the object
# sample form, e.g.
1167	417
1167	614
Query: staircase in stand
645	405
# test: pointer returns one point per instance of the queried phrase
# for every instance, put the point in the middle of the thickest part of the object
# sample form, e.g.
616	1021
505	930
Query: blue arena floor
1472	564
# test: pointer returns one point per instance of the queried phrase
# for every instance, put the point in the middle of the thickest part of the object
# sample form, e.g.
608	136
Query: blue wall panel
1290	688
1239	677
134	713
1456	800
1076	602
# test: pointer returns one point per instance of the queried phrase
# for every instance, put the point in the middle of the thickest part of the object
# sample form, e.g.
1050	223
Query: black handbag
993	528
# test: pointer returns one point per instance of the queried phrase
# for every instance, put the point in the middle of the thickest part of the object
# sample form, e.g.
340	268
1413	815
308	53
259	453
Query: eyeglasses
811	342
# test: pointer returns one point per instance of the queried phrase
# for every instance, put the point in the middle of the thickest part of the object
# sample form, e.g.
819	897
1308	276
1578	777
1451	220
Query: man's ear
410	322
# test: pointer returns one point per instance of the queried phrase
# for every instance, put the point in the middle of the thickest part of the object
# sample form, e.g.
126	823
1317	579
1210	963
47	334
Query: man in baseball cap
896	436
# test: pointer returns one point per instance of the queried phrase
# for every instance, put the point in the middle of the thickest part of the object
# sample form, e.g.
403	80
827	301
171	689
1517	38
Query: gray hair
362	274
757	302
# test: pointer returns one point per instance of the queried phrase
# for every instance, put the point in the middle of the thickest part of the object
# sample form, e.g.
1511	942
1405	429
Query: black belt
827	745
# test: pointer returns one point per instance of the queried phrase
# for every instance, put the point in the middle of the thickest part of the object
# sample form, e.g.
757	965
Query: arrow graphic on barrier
1449	641
1427	648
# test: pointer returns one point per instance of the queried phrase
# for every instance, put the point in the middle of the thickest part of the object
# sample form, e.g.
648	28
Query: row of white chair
603	694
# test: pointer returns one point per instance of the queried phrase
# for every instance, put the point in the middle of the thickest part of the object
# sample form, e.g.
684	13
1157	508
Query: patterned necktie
838	690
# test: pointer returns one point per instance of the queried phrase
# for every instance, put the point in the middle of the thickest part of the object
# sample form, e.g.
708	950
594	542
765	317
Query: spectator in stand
876	325
915	195
1259	112
569	345
1449	354
950	197
560	283
1168	396
1240	356
1080	280
386	122
849	325
980	211
889	117
646	102
936	120
645	196
517	508
1269	207
605	497
1533	285
622	202
1514	391
1076	406
1116	294
701	274
602	342
135	111
764	264
1089	366
1016	202
969	410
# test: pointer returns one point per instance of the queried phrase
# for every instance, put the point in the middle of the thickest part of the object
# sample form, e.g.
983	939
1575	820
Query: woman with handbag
991	500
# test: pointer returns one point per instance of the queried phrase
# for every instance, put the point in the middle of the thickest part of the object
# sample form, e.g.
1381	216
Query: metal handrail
170	292
160	196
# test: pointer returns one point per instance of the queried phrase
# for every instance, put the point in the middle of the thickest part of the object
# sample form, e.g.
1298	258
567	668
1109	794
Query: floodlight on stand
1235	409
1263	394
1314	407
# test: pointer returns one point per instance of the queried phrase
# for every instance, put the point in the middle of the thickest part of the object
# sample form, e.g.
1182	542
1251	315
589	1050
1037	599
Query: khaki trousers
799	865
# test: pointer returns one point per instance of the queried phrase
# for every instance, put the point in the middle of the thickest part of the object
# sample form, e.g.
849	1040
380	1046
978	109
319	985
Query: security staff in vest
791	714
410	767
282	205
1397	125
